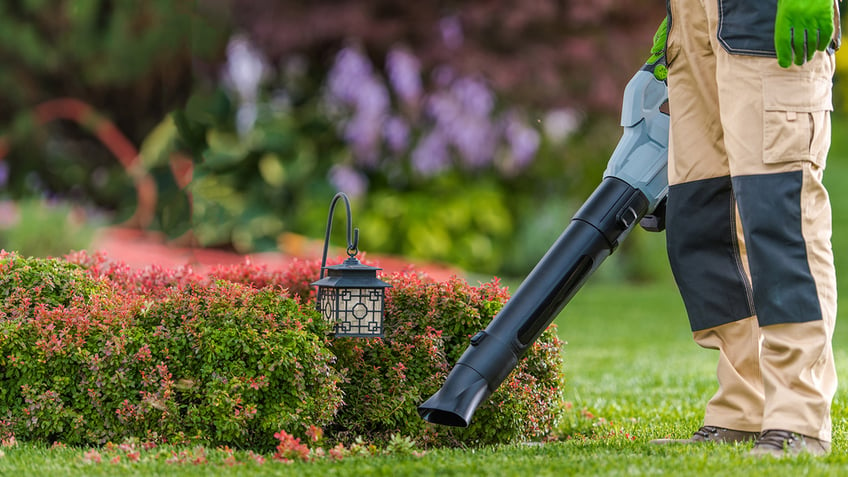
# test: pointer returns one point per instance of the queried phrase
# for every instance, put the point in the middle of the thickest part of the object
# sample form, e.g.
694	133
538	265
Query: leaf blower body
633	190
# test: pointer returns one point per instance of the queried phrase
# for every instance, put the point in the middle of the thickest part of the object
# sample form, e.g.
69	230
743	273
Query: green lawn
634	374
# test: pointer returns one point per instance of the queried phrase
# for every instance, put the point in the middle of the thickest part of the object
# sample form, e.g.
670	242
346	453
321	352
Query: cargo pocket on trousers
796	119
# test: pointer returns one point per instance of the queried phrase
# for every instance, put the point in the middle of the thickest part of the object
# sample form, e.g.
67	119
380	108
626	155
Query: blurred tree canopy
129	61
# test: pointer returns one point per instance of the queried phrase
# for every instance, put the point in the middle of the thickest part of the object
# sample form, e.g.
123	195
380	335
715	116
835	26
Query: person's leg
738	403
777	135
705	248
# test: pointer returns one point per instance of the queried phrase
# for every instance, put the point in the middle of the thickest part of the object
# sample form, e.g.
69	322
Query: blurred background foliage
464	131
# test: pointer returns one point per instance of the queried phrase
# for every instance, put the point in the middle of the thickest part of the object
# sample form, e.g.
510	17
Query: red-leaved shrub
92	352
165	356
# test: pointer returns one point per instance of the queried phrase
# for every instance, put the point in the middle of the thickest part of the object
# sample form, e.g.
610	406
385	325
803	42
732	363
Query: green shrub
427	328
217	362
45	228
525	406
25	283
250	361
92	352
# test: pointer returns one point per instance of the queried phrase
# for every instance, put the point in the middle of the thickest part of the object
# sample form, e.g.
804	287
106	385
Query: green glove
801	28
658	51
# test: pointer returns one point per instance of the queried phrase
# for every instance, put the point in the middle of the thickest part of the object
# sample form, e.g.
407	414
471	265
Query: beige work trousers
736	115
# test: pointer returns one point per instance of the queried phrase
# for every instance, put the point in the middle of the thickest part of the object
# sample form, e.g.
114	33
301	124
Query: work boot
712	434
779	443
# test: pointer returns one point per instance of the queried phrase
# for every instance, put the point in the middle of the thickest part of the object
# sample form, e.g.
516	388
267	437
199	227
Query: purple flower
244	71
364	130
4	173
474	96
362	133
430	155
404	72
443	76
246	115
459	117
396	132
475	140
372	98
451	30
348	180
561	123
523	141
350	69
353	85
444	109
245	68
461	114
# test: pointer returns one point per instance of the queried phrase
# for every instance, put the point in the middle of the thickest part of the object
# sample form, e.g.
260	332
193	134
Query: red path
139	249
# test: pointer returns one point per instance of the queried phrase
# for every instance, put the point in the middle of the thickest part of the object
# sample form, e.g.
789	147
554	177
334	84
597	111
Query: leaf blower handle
641	157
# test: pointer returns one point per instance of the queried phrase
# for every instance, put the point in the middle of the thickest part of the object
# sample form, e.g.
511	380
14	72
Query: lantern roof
351	274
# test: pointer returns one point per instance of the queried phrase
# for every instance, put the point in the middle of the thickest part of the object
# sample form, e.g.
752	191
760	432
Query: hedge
92	352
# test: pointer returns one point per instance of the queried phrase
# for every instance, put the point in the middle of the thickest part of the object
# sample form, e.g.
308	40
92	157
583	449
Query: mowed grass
633	374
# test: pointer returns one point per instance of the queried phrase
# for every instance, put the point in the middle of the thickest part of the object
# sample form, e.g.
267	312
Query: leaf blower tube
635	185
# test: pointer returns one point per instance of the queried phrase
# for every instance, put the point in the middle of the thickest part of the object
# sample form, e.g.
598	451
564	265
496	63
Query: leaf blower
632	191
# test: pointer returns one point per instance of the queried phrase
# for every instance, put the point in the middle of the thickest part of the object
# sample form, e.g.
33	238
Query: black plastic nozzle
455	403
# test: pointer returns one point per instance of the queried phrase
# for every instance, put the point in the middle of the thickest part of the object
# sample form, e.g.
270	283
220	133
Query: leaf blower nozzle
483	366
634	185
454	404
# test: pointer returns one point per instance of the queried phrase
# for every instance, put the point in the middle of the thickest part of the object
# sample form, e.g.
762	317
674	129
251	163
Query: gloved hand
801	28
658	51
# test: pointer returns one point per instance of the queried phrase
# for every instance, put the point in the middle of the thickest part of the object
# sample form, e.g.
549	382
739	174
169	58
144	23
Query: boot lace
776	439
707	431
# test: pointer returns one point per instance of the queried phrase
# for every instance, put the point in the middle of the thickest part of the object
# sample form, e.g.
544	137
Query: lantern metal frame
350	296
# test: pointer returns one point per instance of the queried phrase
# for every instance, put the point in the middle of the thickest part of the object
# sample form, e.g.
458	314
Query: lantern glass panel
353	311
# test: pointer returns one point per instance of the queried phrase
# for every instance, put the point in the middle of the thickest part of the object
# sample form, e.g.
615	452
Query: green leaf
225	149
191	133
175	214
157	147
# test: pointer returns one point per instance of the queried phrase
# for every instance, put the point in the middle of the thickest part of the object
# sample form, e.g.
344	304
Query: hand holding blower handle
635	184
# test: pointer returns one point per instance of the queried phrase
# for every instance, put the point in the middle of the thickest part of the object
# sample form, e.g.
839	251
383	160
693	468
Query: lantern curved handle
352	245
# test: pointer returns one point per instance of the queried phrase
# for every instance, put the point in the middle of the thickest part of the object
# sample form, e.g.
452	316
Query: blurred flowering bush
408	134
92	352
442	162
437	166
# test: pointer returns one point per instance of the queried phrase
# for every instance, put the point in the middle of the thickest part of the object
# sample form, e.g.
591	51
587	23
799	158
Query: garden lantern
350	296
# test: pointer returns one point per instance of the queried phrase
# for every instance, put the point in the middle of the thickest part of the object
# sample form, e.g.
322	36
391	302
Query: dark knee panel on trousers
746	27
704	254
770	209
